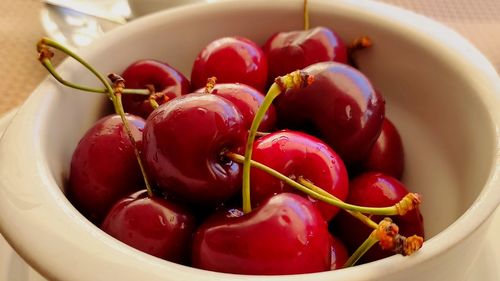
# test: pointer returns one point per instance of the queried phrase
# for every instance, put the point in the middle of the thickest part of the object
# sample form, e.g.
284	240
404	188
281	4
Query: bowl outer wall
73	249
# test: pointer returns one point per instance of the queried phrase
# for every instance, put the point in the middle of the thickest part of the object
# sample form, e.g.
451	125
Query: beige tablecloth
20	28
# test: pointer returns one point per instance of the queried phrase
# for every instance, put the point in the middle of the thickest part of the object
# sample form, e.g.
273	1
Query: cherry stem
115	97
119	84
361	250
294	80
387	234
357	44
261	134
360	43
409	202
211	82
154	95
45	60
363	218
306	15
383	211
154	104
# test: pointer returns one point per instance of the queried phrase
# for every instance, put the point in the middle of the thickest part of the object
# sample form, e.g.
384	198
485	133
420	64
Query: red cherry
387	154
285	235
296	154
231	59
339	253
289	51
375	189
184	145
104	167
165	79
247	100
340	107
152	225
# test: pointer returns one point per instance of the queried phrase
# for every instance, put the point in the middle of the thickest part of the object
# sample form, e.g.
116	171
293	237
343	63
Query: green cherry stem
261	134
294	80
389	239
361	250
383	211
45	60
363	218
118	105
114	96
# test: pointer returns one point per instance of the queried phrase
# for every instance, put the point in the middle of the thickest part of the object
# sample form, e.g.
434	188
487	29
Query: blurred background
23	22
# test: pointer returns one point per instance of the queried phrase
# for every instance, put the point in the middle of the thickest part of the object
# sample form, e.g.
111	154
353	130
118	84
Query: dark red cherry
231	59
289	51
184	145
296	154
104	167
166	81
153	225
248	100
340	107
285	235
387	154
375	189
339	253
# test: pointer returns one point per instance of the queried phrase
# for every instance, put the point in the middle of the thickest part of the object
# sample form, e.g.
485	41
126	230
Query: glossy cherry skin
375	189
339	253
165	79
152	225
230	60
248	100
387	154
289	51
184	143
296	154
104	167
285	235
340	107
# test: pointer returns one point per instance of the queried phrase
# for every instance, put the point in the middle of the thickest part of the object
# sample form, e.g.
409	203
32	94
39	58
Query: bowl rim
460	51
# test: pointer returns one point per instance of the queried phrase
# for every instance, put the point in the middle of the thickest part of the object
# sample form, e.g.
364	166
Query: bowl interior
448	134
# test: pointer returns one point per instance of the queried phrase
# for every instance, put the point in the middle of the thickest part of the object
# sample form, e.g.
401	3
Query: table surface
20	28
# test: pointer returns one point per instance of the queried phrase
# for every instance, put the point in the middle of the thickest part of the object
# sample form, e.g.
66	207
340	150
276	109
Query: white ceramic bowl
441	93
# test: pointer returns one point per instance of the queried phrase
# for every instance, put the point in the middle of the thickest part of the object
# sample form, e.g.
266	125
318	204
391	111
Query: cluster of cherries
183	179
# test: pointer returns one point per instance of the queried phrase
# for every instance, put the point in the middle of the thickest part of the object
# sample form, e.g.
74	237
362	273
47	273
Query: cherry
231	59
289	51
153	225
376	190
387	154
104	167
167	81
184	145
340	107
248	100
296	154
285	235
339	254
